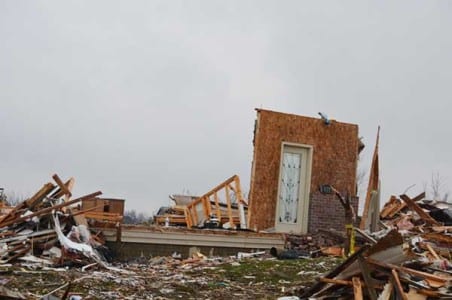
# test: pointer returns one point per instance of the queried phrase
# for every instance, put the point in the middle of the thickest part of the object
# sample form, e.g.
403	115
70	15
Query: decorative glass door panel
289	192
292	202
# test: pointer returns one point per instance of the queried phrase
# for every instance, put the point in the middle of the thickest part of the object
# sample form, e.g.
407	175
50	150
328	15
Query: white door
293	191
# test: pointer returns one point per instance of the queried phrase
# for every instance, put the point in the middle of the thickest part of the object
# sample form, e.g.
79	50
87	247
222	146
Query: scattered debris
409	259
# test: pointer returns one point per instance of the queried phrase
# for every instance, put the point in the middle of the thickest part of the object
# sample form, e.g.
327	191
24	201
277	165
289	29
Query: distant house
293	157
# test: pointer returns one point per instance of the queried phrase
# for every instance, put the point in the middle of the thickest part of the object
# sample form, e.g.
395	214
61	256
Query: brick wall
334	161
327	212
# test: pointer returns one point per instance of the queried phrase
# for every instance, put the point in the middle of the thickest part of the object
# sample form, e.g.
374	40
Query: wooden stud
398	285
228	201
217	205
357	289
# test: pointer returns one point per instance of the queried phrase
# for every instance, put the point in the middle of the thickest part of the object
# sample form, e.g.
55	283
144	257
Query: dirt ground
169	278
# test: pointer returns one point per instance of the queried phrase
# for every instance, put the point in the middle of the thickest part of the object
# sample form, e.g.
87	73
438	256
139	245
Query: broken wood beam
422	214
48	209
398	285
333	273
40	195
357	289
408	270
62	186
365	271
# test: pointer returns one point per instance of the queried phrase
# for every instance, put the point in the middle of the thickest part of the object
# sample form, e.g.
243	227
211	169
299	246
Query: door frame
301	226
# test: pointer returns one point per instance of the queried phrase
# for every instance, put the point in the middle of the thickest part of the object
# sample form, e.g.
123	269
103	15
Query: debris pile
49	229
409	259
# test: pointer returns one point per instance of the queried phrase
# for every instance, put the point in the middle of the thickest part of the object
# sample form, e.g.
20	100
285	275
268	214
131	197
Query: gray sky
142	99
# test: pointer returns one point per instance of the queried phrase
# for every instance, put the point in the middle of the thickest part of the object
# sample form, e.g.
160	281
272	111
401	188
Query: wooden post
217	206
228	201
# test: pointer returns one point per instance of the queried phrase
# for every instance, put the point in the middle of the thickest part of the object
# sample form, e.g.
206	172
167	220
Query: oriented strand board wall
335	155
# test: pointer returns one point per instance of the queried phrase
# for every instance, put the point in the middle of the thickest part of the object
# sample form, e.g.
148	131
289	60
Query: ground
168	278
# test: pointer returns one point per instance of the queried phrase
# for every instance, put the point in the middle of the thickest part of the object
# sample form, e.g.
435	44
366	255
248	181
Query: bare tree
437	186
13	198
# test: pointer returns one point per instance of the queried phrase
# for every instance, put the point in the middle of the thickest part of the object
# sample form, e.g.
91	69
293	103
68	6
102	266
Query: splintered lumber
357	289
433	252
408	270
422	214
60	192
30	203
392	207
62	186
398	285
40	195
49	209
367	279
332	274
373	186
438	237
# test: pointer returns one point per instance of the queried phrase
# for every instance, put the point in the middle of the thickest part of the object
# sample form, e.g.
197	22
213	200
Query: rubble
49	229
410	258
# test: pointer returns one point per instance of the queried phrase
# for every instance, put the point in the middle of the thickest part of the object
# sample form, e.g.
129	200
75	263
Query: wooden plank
336	281
433	252
350	260
438	237
422	214
62	186
239	193
357	289
188	220
48	209
70	186
209	207
228	202
217	205
40	195
365	271
373	184
408	270
389	206
398	285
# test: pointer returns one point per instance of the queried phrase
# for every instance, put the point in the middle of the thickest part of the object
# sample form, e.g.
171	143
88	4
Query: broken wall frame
201	209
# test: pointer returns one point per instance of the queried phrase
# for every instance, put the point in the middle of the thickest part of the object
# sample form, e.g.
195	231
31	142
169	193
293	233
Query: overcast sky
142	99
